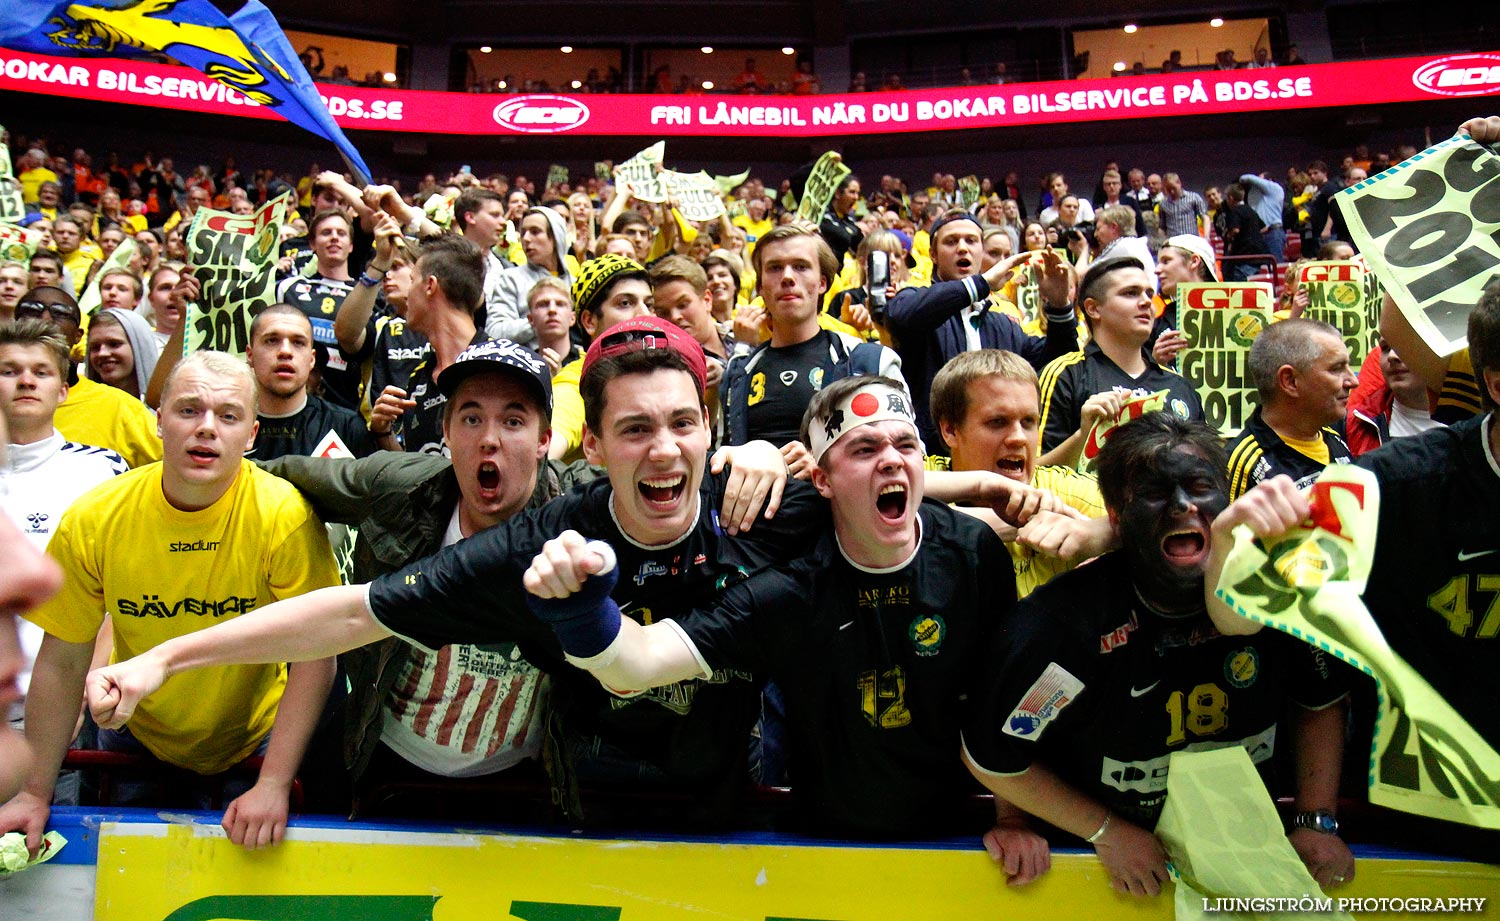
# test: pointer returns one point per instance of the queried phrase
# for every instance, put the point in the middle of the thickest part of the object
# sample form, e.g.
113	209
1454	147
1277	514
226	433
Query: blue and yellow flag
247	52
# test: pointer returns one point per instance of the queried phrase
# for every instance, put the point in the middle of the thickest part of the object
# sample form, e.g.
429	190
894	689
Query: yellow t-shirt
31	180
77	264
754	230
1079	491
567	409
1315	448
108	417
161	573
921	245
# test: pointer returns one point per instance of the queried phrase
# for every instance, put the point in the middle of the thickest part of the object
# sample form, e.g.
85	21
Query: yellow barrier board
159	872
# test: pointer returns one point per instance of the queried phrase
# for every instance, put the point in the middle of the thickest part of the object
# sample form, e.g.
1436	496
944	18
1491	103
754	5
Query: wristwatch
1320	820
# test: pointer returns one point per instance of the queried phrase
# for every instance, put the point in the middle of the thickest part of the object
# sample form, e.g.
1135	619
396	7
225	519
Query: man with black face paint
1118	665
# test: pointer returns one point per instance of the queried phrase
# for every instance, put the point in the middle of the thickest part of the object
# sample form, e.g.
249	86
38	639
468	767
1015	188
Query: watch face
1318	821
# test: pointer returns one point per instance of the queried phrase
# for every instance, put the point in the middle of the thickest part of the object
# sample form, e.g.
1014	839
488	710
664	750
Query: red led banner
1195	93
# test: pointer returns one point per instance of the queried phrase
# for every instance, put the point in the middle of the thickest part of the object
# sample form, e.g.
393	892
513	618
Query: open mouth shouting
891	503
1013	467
662	492
1185	547
488	478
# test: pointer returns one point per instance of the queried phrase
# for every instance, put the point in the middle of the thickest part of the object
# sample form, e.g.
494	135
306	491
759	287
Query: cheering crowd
563	487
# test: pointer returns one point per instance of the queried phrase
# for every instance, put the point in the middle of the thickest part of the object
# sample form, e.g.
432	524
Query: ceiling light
577	84
1216	22
708	84
1131	29
567	49
789	50
1119	66
390	77
485	49
707	49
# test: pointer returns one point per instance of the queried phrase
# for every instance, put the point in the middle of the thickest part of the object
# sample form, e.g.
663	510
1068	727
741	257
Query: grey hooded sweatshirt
506	311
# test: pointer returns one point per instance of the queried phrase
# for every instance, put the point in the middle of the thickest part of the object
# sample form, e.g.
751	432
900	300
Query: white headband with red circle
874	402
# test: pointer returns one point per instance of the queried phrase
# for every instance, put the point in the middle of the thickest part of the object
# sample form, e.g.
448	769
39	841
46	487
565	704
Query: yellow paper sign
234	259
12	205
1225	839
1427	759
1428	227
18	243
640	173
826	175
1221	321
1336	296
696	194
1132	408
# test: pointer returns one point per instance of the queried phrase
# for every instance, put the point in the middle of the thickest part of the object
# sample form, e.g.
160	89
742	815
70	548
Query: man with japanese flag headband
873	637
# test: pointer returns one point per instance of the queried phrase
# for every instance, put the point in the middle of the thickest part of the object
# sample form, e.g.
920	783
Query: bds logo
541	114
1460	75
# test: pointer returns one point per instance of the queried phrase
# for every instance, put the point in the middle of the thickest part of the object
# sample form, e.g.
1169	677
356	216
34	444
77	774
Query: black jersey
1096	685
1259	454
303	432
319	298
398	351
421	428
361	248
782	384
1434	587
1069	381
695	732
875	669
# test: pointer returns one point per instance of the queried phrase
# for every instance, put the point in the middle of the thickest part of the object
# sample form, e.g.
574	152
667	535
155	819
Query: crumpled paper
14	857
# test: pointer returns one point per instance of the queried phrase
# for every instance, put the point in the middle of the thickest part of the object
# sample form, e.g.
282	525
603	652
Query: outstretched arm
569	584
312	626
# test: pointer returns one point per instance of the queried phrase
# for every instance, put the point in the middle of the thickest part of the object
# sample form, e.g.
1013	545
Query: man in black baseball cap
408	506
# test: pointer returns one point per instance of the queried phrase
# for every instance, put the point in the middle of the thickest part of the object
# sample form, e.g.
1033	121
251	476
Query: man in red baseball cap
646	424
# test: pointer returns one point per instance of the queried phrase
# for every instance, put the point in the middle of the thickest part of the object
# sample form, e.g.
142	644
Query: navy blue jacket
930	331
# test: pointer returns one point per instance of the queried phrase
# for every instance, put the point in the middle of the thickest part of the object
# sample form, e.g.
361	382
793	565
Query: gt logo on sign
541	114
1460	75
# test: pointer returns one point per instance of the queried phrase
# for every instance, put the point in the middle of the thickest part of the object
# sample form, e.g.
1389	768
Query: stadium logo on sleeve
541	114
1042	702
1460	75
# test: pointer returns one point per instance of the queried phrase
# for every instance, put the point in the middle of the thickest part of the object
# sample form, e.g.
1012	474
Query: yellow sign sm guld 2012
1336	296
1220	321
